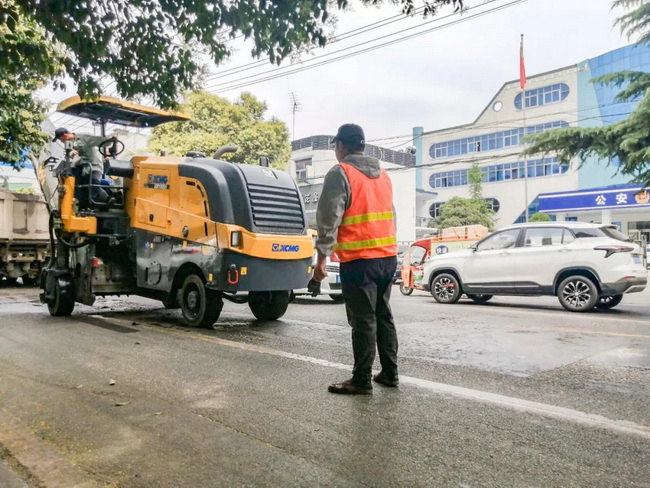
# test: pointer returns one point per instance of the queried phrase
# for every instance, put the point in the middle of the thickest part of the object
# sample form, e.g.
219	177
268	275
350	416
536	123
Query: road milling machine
189	231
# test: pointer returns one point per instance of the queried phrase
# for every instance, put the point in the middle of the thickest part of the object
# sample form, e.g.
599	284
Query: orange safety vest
367	230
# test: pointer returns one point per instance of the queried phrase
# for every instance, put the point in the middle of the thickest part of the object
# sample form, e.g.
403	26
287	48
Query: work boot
386	380
350	388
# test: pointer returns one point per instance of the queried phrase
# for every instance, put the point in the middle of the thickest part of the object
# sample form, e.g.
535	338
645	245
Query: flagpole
522	84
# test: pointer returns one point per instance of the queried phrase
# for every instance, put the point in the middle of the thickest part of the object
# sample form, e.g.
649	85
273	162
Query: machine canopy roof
115	111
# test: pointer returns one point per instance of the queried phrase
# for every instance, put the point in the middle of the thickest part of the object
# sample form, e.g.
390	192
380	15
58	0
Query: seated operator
86	150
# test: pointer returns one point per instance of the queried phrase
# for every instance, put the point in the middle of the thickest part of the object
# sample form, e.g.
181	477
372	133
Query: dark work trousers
366	286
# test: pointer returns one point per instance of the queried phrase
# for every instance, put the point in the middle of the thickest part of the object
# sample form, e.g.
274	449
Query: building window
493	204
434	209
488	142
543	96
501	172
301	169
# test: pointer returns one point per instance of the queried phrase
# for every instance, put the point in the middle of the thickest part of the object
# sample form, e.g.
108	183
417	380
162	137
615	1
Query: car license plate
338	278
637	259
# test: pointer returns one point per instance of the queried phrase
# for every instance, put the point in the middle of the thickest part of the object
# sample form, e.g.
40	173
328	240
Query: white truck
24	236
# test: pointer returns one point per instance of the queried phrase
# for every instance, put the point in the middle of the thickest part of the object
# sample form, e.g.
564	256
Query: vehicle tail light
609	250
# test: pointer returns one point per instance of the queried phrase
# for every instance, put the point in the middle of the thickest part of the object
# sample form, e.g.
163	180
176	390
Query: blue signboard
590	200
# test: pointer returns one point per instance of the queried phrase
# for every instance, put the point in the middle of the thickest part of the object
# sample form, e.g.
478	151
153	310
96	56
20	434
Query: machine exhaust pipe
223	150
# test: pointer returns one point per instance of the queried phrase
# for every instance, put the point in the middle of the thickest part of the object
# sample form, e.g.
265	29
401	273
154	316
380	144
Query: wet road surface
514	393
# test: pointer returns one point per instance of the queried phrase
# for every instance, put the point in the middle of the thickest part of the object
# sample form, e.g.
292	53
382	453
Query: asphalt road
516	393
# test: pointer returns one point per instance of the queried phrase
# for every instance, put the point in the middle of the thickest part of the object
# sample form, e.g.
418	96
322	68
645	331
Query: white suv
584	265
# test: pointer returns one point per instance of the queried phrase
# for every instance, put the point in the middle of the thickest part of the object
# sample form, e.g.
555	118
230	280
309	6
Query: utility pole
296	106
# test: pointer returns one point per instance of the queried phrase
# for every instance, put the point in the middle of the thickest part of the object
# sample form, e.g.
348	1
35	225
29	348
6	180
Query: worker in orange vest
356	226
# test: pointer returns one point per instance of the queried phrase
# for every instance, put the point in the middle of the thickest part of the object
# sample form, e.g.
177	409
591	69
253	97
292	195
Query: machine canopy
115	111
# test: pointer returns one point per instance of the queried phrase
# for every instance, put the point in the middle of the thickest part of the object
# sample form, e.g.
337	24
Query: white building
313	157
560	98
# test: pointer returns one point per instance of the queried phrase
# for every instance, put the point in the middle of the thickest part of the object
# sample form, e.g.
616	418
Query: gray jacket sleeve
334	201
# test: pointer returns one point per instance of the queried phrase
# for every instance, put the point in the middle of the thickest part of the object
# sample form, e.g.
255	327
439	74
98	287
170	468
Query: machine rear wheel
200	306
268	305
62	302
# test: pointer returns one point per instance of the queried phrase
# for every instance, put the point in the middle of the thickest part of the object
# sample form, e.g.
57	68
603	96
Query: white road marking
517	404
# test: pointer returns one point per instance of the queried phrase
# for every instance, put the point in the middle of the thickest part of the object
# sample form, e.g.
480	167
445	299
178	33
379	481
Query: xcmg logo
285	248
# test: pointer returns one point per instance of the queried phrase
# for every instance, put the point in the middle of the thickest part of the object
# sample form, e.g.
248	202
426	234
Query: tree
28	61
463	211
627	140
153	48
540	217
216	122
467	211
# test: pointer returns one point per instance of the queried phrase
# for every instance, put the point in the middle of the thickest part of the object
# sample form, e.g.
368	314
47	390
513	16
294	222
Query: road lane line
517	404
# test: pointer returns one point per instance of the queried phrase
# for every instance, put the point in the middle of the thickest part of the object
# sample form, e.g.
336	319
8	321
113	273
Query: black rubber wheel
62	303
268	305
605	303
445	288
577	294
28	281
480	298
337	298
11	281
405	290
172	300
200	306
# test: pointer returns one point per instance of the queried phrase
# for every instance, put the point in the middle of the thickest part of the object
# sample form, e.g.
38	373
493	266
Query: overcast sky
439	79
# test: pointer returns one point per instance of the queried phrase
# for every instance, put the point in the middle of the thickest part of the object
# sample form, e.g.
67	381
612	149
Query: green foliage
27	62
464	211
216	122
540	217
475	180
627	140
148	47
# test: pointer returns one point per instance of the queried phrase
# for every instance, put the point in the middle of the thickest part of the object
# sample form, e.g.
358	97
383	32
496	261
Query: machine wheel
172	300
577	294
445	288
200	306
268	305
480	298
62	303
28	281
337	298
405	290
605	303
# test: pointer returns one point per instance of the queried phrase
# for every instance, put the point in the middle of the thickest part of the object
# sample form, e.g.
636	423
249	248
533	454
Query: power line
363	51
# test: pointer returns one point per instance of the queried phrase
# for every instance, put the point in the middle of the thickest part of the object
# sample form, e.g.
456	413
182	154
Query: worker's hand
319	269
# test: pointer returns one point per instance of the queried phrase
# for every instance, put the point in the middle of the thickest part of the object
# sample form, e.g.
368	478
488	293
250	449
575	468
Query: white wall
403	179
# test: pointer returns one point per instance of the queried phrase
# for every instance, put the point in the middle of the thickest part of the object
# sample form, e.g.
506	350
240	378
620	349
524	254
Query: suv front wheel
445	288
577	294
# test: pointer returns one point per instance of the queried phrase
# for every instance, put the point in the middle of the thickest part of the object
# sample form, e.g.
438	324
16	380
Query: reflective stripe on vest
367	230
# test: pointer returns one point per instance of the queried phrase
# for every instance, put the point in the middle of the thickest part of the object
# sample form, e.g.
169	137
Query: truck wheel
62	302
577	294
200	306
268	305
28	281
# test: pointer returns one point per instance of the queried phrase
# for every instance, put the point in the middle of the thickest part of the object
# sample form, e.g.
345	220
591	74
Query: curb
44	463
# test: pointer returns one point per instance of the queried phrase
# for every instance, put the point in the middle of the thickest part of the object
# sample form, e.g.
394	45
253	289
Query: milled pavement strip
42	461
520	405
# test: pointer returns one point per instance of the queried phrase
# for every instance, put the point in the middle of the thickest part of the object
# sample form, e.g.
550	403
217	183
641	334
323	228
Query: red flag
522	66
